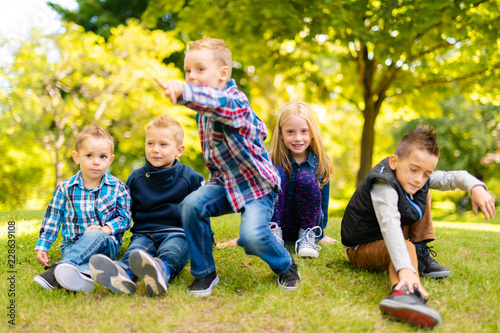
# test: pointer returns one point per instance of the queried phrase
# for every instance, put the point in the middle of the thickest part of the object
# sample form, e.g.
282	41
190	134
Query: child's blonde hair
95	131
166	121
222	54
279	152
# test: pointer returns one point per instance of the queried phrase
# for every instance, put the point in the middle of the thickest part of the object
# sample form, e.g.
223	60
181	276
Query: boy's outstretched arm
173	89
481	198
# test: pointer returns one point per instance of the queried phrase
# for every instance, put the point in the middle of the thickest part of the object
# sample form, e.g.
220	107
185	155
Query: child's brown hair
422	137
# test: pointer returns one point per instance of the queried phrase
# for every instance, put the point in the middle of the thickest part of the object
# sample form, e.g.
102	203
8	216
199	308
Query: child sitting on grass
242	177
93	210
391	197
158	250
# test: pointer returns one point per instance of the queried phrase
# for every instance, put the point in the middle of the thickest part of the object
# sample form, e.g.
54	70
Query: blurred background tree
366	67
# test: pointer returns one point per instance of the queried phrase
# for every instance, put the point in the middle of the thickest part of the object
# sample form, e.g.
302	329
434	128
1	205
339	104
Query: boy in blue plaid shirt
92	209
242	177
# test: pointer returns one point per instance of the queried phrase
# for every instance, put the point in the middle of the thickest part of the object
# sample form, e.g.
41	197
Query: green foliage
58	85
364	53
467	133
333	297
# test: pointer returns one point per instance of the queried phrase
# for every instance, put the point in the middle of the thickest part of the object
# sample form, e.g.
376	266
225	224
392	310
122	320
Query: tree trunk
367	141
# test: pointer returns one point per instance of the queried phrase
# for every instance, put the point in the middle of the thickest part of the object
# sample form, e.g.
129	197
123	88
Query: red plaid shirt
232	140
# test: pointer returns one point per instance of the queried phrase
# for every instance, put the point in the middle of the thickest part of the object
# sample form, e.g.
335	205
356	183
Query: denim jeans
170	247
255	236
92	242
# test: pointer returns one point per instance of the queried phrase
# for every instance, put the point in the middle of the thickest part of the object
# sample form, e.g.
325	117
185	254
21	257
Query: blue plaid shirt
76	208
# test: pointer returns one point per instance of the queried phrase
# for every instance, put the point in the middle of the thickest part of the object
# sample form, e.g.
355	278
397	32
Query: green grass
334	297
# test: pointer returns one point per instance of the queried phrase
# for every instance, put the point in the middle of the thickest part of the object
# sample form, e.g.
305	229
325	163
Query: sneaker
109	274
403	305
47	280
427	266
306	243
69	277
291	279
203	287
276	230
152	271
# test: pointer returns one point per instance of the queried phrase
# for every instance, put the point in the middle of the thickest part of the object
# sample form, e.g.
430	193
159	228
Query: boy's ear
111	159
393	162
74	154
224	74
180	151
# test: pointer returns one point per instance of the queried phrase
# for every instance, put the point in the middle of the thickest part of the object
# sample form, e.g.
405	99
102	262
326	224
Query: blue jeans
92	242
170	247
255	236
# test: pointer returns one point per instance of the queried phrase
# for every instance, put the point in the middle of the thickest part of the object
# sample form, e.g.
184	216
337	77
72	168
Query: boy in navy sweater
158	249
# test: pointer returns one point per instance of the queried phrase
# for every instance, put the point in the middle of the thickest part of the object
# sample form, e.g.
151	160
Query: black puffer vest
360	225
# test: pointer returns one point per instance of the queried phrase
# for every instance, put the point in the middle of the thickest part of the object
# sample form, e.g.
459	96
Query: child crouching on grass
392	197
93	210
242	178
158	249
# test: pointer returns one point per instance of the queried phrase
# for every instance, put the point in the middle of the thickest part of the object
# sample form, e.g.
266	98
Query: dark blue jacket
156	195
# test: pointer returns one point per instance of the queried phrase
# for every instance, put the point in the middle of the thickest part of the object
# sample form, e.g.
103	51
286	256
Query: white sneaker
276	230
69	277
307	243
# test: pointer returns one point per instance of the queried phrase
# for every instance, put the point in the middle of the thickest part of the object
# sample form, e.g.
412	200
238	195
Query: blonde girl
297	151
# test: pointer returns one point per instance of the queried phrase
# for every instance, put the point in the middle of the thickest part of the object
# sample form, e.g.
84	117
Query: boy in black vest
158	249
392	196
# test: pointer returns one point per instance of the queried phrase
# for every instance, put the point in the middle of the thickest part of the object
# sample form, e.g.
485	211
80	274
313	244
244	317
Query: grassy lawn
333	296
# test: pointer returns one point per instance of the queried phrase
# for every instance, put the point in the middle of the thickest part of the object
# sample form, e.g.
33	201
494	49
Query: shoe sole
436	275
308	253
42	282
107	273
70	278
415	315
204	292
143	265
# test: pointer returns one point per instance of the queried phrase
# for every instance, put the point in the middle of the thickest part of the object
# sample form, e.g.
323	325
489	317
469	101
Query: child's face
201	68
94	157
161	147
413	171
297	137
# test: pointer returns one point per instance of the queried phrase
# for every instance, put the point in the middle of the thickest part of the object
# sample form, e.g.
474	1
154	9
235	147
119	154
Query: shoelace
274	227
308	237
428	252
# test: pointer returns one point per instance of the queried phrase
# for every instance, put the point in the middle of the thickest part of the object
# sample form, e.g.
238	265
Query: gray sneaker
306	246
109	274
69	277
276	230
152	270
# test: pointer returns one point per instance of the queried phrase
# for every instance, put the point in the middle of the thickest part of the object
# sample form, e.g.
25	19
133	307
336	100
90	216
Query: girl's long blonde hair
280	153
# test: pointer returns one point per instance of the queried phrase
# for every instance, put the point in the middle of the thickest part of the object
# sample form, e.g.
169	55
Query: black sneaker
203	287
291	279
403	305
427	266
47	280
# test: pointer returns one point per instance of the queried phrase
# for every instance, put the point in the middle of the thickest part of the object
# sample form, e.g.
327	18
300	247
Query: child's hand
406	276
42	258
173	89
480	197
92	227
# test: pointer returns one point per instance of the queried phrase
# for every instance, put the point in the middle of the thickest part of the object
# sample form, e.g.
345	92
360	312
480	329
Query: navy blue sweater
156	195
